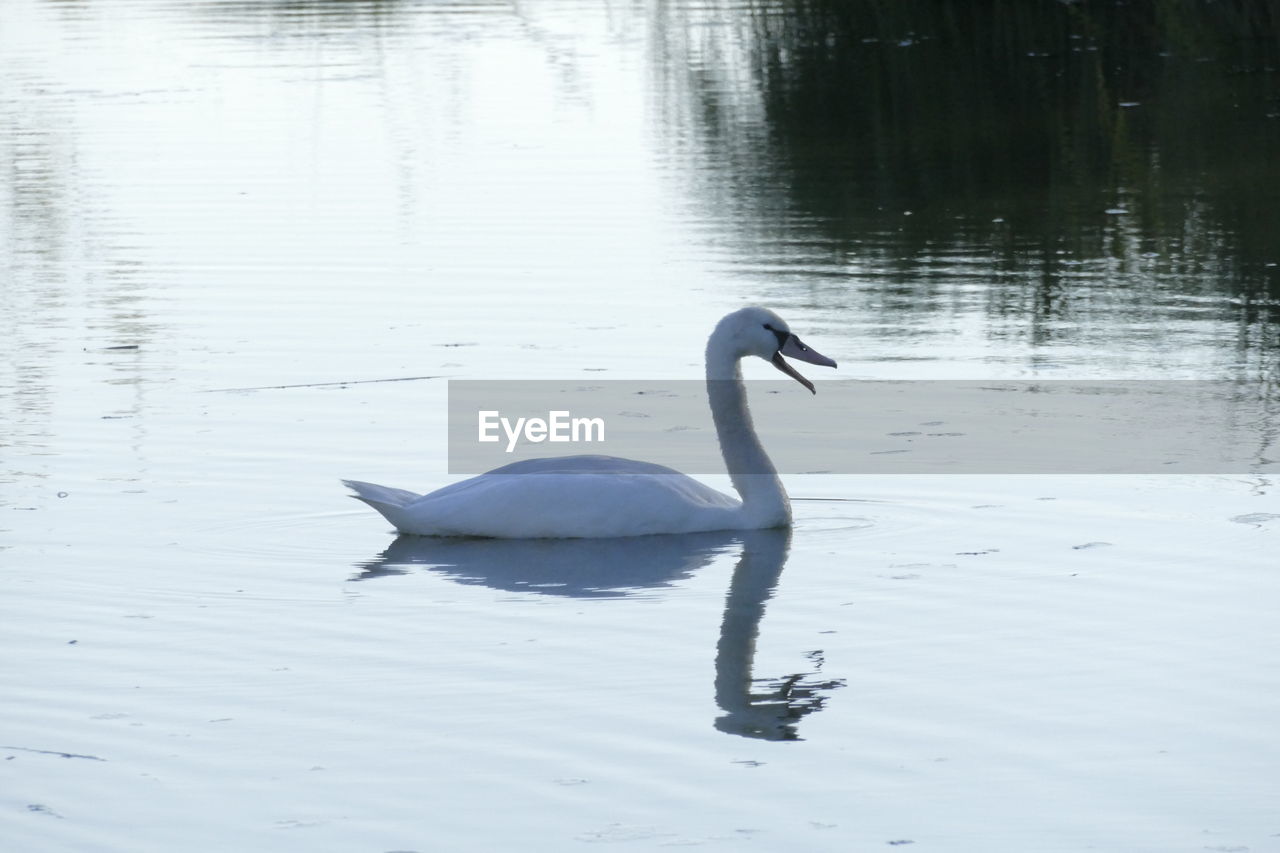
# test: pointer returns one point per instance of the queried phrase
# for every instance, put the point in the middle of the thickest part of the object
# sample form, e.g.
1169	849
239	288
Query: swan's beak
793	348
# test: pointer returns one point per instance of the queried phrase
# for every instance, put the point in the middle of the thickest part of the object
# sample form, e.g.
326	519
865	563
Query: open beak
793	348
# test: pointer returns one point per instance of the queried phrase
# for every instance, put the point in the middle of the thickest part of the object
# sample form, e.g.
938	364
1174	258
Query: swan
604	496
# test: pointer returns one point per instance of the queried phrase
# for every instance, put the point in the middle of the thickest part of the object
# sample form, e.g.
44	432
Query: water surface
246	243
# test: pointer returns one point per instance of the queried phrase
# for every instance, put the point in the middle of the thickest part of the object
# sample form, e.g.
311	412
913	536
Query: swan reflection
581	568
768	708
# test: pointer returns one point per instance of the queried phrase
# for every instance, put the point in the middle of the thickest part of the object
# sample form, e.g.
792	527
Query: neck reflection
768	708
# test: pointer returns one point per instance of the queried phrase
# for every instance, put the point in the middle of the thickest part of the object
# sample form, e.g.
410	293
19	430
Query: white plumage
601	496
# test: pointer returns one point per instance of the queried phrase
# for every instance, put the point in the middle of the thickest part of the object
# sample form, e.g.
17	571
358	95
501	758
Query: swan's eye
781	336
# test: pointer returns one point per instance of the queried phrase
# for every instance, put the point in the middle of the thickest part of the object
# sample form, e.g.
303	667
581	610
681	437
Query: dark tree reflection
1102	157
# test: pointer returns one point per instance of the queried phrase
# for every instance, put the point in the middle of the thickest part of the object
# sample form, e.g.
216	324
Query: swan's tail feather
384	499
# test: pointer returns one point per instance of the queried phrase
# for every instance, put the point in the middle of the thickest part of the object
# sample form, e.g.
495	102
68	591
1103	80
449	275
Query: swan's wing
575	466
564	502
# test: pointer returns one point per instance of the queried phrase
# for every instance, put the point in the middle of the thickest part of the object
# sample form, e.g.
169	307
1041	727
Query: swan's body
567	496
599	496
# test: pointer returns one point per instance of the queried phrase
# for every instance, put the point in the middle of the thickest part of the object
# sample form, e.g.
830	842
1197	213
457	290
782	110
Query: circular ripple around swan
865	518
283	536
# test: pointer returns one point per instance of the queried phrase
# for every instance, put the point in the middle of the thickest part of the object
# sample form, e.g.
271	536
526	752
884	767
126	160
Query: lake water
227	227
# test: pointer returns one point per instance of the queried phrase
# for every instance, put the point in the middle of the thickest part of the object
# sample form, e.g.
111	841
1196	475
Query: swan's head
760	332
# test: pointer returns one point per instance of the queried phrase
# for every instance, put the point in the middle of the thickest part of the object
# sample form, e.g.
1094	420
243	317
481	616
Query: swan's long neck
764	501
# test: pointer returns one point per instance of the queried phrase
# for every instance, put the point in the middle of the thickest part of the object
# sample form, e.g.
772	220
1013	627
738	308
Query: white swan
599	496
